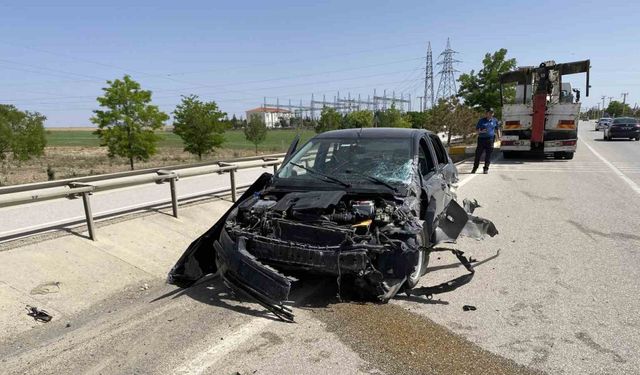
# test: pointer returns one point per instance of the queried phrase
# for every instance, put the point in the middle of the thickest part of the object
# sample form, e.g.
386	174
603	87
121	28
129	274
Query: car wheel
557	155
507	155
421	264
637	138
568	155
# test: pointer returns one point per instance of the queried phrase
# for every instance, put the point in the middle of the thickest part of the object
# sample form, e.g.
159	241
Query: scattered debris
468	308
39	314
46	288
145	286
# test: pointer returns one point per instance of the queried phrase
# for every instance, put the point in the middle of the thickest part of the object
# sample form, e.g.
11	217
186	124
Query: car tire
507	155
421	264
568	155
557	155
637	138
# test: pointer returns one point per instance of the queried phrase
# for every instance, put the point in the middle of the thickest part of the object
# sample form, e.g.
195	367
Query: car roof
626	119
373	133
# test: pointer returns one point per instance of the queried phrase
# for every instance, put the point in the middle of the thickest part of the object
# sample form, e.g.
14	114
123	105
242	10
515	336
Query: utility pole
603	98
421	107
610	98
624	101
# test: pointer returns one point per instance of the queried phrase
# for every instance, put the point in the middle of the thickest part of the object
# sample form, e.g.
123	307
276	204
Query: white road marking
615	169
461	183
222	348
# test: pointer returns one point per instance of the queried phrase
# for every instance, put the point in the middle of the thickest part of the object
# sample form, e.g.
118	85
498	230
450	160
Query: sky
55	57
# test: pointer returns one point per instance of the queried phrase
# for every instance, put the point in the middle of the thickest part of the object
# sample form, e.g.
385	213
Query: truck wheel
568	155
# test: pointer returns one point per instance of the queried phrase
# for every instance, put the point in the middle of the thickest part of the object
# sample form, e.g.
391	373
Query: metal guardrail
84	187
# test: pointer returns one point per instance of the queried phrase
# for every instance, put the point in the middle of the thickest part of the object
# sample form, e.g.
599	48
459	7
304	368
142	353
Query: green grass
277	140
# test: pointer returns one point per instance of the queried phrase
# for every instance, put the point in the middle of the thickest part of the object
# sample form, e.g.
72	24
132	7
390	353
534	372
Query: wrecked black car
365	205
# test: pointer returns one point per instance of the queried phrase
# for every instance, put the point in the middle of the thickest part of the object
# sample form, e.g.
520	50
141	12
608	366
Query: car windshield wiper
329	178
373	179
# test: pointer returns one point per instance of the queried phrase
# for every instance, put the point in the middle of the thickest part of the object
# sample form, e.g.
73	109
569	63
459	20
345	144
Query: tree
330	119
199	124
359	119
255	131
392	118
454	118
127	125
21	133
235	123
483	89
418	120
616	108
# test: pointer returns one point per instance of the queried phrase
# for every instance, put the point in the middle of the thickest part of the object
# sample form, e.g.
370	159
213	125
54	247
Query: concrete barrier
128	254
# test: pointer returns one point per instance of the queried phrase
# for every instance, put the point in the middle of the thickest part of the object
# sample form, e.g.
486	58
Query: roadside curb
469	150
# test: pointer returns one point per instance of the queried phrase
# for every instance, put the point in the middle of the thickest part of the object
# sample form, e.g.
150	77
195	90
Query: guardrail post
87	213
232	175
172	177
174	197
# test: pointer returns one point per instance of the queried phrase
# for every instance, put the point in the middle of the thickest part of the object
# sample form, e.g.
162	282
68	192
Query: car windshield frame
329	148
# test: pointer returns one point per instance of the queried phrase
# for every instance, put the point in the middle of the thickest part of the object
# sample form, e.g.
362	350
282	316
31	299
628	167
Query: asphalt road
555	291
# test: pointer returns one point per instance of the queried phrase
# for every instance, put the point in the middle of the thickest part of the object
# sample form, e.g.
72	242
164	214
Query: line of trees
128	123
448	115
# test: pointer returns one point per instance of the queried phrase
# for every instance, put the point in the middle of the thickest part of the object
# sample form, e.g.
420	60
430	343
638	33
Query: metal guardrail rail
84	187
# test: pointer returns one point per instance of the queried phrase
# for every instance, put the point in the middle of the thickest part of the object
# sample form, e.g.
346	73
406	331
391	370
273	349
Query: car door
433	184
445	166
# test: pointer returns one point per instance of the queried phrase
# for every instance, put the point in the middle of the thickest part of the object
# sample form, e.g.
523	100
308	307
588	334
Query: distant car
603	123
623	127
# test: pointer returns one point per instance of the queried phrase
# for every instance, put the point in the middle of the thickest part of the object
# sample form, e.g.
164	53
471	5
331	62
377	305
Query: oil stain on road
400	342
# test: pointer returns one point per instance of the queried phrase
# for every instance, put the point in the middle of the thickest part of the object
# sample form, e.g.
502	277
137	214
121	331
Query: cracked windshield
352	160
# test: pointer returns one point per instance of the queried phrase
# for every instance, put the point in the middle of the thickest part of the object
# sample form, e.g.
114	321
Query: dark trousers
484	145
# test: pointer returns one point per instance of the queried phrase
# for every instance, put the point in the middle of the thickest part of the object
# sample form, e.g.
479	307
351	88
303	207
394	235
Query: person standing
487	128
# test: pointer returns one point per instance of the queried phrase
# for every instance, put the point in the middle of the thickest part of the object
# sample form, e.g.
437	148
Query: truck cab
543	115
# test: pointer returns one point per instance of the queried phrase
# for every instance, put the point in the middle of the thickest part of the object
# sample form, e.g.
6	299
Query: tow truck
544	116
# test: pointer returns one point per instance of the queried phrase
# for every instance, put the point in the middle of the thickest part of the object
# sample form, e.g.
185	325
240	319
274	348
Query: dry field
72	161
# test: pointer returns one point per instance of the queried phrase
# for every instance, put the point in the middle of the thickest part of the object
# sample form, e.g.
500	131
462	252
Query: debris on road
39	314
468	308
144	286
372	226
46	288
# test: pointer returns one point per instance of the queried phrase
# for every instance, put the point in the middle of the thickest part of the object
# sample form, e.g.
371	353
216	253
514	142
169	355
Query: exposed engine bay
363	238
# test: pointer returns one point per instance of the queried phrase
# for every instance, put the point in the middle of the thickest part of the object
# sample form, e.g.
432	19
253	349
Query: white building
270	115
